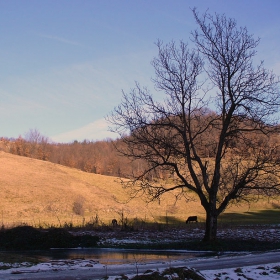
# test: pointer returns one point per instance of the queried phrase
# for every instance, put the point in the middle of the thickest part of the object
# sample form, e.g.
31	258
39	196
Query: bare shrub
78	206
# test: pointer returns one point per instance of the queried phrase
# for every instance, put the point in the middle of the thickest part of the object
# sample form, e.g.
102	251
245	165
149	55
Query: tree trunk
211	226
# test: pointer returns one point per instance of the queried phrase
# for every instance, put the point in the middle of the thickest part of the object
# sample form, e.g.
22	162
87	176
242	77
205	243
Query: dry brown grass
41	193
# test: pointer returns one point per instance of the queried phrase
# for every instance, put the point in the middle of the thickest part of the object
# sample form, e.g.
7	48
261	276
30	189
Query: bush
78	206
29	238
21	238
58	238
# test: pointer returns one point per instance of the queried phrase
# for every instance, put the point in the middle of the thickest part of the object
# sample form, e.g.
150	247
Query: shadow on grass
251	218
170	220
261	217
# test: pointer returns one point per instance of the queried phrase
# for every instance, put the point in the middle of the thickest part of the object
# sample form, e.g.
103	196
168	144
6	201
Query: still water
104	256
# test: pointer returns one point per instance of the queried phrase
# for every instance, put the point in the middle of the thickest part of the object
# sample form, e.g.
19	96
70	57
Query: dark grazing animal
114	222
191	219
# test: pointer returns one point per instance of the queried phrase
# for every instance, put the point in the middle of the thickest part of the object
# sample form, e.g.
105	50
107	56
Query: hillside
43	193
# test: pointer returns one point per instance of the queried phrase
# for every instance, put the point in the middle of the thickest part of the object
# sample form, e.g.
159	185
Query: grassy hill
41	193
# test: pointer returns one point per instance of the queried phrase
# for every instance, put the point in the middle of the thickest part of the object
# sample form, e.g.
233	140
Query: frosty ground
248	265
266	267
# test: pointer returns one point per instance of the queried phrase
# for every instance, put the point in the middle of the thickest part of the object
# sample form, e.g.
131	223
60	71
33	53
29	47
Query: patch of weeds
148	271
238	270
277	268
182	273
153	276
261	267
264	273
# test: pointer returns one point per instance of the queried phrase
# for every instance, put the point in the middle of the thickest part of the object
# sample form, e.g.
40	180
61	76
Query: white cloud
97	130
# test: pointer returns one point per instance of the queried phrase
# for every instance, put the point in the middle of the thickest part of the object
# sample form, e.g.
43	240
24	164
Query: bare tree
224	155
34	136
38	144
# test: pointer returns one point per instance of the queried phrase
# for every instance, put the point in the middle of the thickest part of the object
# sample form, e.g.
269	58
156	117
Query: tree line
106	157
100	157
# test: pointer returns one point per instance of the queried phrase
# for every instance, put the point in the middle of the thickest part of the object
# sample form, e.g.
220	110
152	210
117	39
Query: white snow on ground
55	265
117	237
264	272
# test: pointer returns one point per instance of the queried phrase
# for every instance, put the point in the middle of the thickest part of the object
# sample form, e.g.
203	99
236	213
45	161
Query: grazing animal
114	222
191	219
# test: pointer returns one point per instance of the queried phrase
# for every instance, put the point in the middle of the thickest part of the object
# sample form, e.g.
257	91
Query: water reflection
104	256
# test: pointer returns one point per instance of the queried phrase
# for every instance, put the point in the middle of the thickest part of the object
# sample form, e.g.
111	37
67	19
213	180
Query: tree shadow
170	220
251	217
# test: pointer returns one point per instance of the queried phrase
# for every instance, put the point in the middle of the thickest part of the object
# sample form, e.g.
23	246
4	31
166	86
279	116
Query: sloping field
38	192
41	193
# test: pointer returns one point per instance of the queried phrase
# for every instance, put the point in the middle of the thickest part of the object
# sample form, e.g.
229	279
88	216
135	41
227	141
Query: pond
104	256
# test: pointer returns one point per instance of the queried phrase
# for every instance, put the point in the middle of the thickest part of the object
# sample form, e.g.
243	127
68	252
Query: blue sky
64	63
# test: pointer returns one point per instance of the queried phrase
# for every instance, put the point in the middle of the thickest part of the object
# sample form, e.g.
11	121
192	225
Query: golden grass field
41	193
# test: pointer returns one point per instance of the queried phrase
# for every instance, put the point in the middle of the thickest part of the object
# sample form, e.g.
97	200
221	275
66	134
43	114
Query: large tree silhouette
215	133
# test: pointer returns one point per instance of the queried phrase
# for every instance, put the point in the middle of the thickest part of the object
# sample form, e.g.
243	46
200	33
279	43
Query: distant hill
37	192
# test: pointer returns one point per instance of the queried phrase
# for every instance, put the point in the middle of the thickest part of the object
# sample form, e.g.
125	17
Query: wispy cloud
62	40
61	102
97	130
